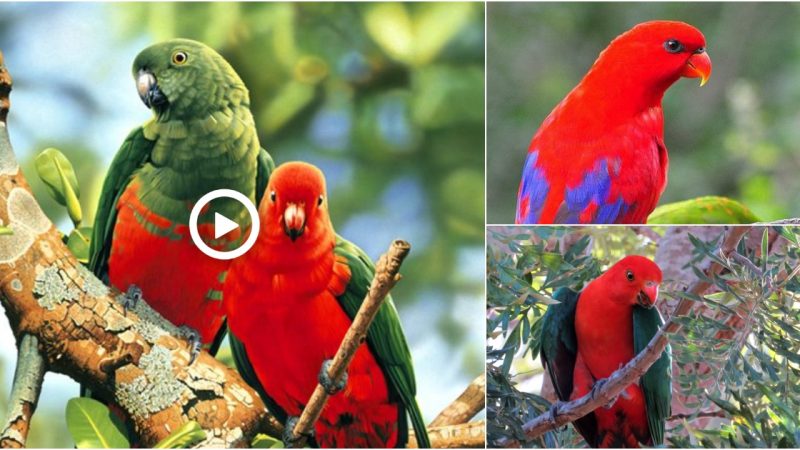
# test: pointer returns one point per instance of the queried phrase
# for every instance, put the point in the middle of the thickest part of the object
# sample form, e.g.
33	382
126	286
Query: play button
223	225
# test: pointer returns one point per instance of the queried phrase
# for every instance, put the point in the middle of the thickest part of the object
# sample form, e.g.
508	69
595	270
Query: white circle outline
254	227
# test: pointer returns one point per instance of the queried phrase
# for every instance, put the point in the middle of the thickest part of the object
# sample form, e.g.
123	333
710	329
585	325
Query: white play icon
223	225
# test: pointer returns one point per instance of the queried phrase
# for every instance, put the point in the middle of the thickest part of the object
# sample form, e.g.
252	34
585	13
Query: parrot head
295	207
658	53
182	78
635	280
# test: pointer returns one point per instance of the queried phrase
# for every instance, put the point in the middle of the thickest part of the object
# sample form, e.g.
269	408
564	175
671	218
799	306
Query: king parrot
600	157
587	336
202	137
289	302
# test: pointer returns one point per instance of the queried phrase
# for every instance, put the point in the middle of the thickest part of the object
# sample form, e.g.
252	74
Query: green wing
657	381
386	340
559	352
131	156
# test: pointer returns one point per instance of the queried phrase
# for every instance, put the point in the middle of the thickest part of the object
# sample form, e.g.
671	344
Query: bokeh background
386	98
738	136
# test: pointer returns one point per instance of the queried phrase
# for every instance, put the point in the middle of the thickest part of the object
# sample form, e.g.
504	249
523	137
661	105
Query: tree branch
28	378
386	276
464	408
80	328
608	389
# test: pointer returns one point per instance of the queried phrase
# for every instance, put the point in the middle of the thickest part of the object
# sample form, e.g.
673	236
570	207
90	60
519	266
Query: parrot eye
673	46
272	196
179	58
319	200
629	275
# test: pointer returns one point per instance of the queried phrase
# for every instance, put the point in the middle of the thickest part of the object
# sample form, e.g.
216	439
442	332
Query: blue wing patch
533	191
592	192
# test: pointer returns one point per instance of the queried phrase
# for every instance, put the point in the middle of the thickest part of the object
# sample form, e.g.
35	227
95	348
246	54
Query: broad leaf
57	173
703	210
184	437
89	422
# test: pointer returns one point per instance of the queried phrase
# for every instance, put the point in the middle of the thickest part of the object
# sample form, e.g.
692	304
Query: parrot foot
330	387
288	437
195	344
131	297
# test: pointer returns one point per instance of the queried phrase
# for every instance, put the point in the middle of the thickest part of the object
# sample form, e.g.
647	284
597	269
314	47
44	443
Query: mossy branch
82	330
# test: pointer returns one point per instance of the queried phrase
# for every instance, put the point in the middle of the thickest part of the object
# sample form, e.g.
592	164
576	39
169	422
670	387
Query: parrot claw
325	380
288	437
131	297
195	343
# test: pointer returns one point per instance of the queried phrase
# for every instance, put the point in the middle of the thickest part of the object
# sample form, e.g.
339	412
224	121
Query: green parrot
202	137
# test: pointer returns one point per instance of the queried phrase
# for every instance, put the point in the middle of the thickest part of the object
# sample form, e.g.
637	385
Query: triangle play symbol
223	225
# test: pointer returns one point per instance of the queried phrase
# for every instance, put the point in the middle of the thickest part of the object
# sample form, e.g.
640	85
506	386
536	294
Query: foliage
55	170
747	332
92	425
736	137
710	209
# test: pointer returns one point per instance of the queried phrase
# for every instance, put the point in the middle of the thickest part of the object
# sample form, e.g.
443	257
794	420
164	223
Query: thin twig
25	391
718	413
464	408
386	276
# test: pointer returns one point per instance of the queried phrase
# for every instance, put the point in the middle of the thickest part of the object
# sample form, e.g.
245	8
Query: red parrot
289	302
600	157
587	336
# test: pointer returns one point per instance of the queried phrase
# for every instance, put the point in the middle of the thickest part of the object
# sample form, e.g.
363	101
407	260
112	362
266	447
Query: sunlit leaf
89	422
703	210
55	170
187	435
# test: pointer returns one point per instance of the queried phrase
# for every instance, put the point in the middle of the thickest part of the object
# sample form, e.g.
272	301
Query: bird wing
656	383
132	155
385	339
559	352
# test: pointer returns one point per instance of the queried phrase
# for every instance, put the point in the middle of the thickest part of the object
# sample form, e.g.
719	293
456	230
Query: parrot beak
647	297
698	66
149	92
294	221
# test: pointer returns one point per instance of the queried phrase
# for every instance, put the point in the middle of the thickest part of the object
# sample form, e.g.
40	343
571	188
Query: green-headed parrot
202	137
289	302
589	335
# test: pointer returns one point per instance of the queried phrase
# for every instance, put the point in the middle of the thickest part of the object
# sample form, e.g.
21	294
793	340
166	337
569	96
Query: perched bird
202	137
599	157
587	336
289	302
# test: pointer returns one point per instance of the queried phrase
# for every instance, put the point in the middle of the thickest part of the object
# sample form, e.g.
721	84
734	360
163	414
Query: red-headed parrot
600	157
589	335
289	302
202	137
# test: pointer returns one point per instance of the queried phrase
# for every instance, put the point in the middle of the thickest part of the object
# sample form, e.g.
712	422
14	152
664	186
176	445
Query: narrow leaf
184	437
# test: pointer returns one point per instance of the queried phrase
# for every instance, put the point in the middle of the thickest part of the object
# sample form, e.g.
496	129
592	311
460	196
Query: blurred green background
738	136
386	98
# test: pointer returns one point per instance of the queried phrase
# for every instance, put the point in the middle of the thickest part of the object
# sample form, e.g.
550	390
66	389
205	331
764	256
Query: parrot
289	302
599	156
588	335
201	137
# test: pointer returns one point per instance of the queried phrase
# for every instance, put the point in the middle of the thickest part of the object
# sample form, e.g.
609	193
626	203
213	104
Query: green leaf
290	100
264	441
89	422
703	210
390	26
55	170
435	25
78	243
6	231
184	437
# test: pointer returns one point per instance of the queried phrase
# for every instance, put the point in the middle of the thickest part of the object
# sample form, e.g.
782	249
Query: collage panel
242	224
677	336
595	112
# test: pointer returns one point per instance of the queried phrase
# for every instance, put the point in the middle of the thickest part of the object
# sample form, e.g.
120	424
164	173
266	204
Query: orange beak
294	221
648	295
698	66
